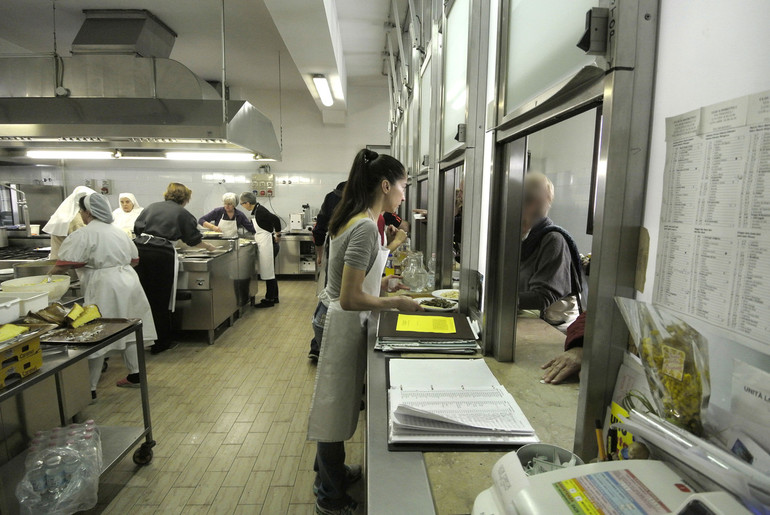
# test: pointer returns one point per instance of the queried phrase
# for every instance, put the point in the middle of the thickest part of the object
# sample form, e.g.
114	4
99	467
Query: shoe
352	474
158	347
93	395
349	509
313	356
264	303
125	383
362	407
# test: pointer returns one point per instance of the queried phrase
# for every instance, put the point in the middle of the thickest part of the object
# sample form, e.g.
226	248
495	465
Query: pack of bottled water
62	470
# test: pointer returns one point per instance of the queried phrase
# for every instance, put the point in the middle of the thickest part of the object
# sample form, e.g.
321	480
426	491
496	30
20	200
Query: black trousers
156	273
271	285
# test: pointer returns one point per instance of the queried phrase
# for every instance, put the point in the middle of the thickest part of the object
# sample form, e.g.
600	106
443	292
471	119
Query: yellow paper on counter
425	324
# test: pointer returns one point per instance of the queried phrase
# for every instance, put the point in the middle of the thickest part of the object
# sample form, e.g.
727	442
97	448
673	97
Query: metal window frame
625	96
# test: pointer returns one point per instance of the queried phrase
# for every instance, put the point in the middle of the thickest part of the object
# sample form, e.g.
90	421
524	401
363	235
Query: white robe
125	221
108	279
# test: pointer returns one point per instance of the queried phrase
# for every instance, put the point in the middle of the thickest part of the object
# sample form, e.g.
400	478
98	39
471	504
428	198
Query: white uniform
125	221
108	279
342	364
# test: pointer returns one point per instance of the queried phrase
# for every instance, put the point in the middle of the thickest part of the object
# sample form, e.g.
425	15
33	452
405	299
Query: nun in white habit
125	216
66	219
106	255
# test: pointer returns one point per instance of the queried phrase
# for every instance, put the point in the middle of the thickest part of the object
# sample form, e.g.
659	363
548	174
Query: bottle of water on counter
431	272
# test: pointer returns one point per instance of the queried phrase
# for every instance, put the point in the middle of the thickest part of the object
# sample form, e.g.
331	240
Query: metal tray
92	333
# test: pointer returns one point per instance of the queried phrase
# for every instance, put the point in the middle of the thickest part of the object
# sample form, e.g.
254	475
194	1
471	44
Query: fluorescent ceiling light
210	156
69	154
324	91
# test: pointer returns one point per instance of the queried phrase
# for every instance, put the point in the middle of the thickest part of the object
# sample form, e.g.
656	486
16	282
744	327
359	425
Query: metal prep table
297	255
206	293
448	482
117	442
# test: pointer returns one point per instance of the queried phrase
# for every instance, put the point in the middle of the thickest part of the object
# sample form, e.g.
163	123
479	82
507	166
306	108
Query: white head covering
125	220
99	207
59	223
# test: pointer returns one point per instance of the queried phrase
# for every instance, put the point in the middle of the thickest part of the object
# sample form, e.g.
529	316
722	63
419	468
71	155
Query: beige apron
229	228
342	366
264	241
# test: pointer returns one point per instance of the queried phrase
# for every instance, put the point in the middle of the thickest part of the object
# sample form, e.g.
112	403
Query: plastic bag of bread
675	359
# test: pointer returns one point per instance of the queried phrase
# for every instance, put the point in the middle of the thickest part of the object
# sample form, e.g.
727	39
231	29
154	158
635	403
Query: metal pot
3	237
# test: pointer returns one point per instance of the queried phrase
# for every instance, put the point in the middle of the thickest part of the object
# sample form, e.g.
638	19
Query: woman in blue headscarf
106	255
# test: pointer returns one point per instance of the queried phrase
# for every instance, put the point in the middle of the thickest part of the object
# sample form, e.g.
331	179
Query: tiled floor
229	419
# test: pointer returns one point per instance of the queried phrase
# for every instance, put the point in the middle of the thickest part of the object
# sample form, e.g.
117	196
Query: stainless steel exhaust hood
120	92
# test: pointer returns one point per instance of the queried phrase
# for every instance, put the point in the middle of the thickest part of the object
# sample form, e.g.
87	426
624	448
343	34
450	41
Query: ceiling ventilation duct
120	92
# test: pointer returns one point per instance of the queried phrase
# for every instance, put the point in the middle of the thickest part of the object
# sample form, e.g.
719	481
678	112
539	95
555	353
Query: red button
262	193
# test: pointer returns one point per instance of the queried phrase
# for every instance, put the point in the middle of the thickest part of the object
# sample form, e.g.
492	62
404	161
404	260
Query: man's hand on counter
563	366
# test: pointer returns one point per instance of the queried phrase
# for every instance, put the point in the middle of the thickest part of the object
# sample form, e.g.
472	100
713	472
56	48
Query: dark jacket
324	216
265	219
549	266
168	220
216	214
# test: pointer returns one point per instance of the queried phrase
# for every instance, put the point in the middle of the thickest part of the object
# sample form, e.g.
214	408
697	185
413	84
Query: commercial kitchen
640	128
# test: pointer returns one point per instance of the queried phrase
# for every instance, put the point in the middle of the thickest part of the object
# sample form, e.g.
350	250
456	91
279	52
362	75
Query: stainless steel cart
117	442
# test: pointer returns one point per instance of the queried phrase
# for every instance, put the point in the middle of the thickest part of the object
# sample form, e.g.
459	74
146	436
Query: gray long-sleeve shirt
545	276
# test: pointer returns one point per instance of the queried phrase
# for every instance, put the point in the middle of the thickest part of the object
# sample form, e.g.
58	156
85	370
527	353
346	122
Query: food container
20	369
9	309
39	283
28	300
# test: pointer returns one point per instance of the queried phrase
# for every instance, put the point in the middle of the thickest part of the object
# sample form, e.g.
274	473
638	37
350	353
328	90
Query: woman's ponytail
367	173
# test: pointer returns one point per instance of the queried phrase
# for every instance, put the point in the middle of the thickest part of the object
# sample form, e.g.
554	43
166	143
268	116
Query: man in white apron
267	234
226	219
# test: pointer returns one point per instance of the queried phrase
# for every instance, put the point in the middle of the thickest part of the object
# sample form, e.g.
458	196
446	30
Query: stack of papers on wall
423	332
452	401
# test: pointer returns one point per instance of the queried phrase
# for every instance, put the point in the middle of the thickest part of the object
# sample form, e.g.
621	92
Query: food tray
92	333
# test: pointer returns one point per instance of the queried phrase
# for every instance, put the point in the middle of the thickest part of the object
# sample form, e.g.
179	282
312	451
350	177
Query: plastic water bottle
55	478
431	272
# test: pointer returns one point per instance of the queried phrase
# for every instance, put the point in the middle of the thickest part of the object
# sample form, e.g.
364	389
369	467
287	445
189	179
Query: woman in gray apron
226	219
356	263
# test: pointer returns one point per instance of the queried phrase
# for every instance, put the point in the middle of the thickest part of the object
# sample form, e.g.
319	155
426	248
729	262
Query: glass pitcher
414	274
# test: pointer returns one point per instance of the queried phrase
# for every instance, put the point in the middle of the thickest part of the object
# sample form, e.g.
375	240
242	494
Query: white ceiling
253	42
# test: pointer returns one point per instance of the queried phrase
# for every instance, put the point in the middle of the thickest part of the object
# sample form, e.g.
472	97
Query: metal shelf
117	442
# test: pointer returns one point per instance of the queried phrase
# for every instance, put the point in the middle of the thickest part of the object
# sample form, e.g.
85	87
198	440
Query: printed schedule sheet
713	259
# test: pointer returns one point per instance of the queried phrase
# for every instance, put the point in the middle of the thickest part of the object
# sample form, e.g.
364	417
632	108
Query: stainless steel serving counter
448	482
212	288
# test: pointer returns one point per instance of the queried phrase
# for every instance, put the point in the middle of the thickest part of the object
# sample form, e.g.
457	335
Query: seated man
549	270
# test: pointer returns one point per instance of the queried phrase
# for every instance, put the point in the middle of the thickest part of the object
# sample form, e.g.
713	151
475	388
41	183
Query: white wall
708	51
316	157
564	152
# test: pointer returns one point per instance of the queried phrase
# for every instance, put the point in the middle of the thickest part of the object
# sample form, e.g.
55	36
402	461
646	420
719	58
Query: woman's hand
563	366
406	304
387	286
209	246
212	227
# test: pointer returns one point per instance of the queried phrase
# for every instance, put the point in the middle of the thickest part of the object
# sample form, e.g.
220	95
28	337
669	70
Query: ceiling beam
310	31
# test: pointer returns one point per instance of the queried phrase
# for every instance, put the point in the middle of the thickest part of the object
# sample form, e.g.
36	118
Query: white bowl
55	289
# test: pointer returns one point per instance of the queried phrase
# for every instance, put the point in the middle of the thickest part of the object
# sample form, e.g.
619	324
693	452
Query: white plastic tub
29	300
9	310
